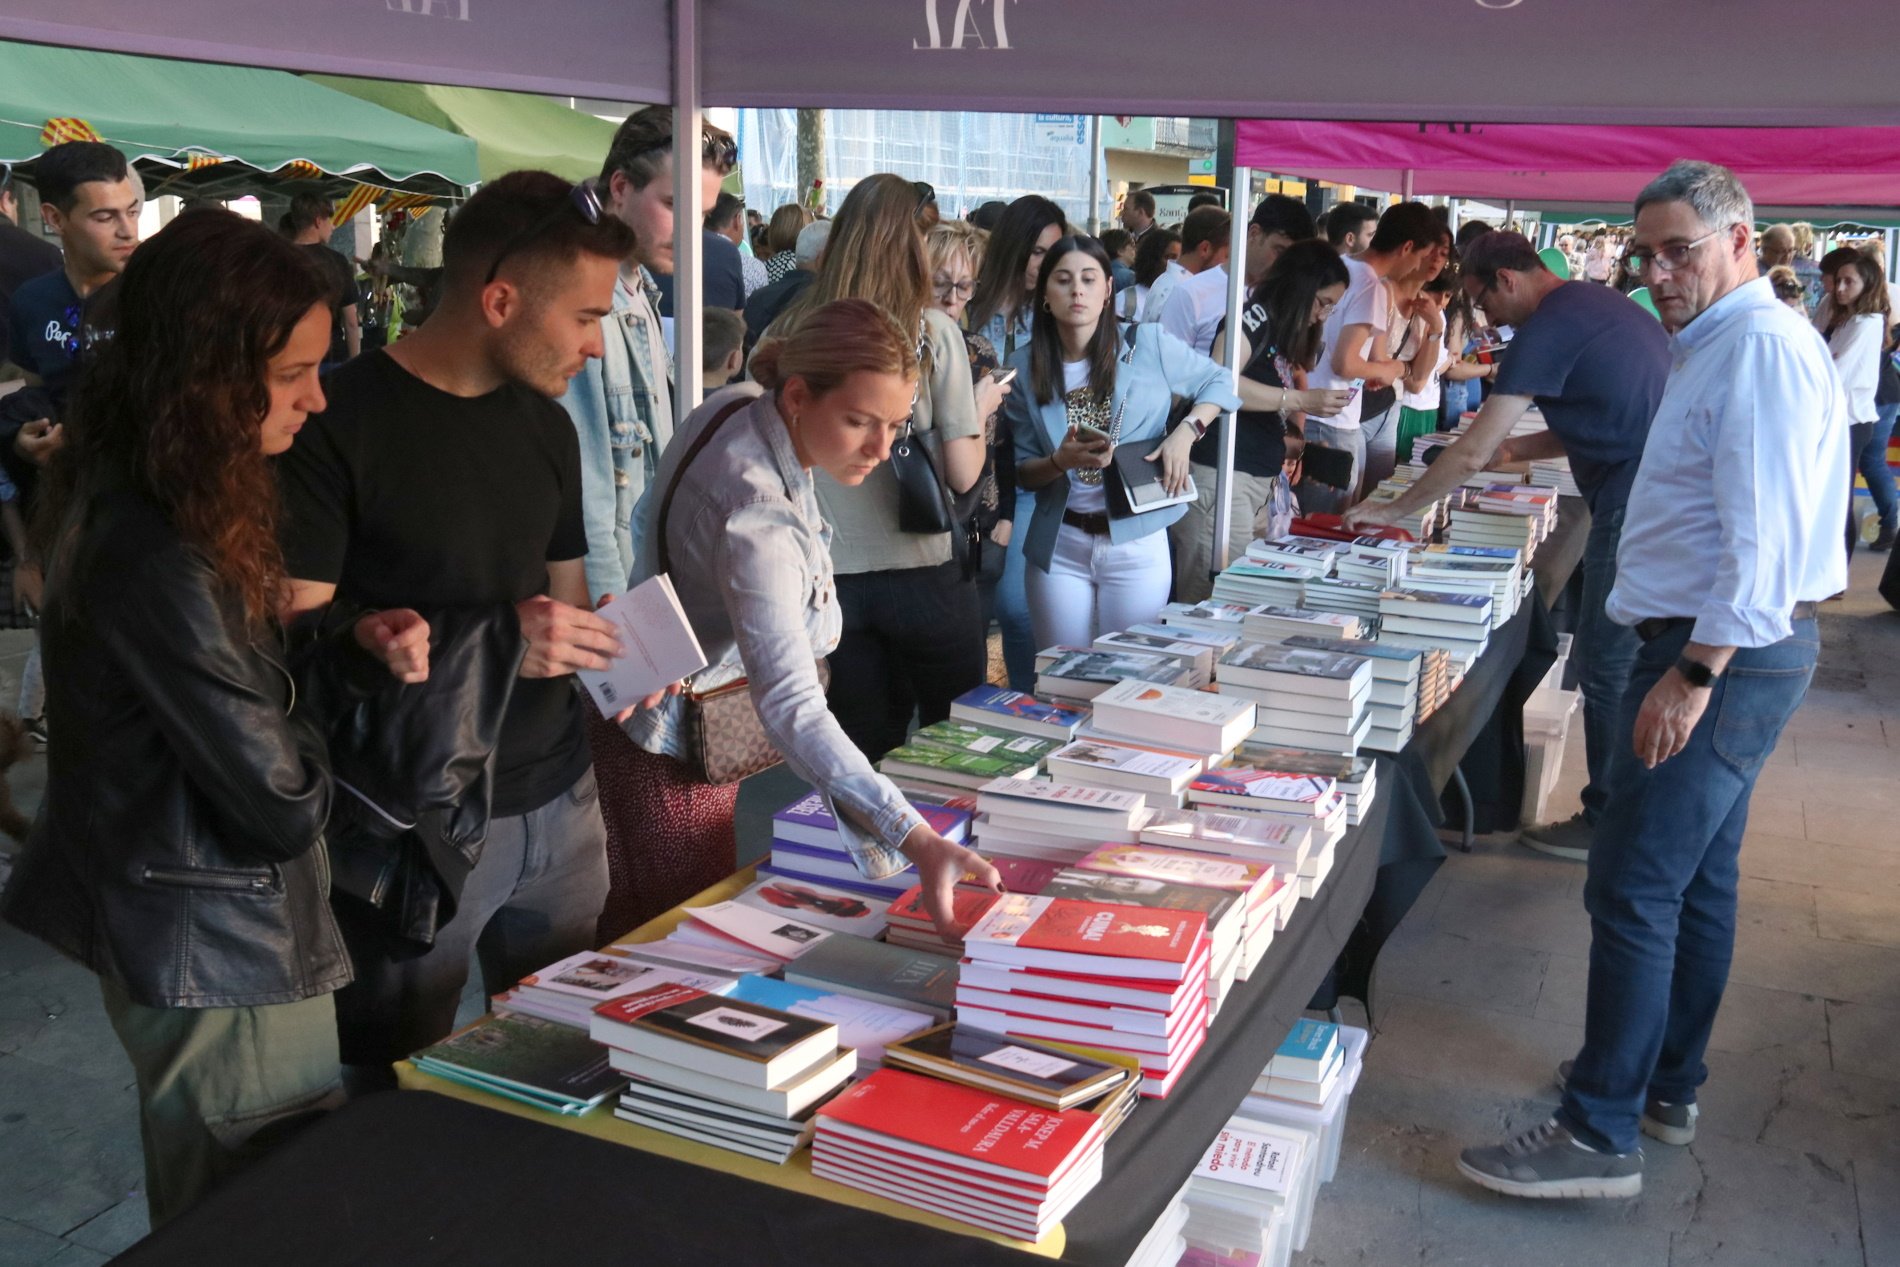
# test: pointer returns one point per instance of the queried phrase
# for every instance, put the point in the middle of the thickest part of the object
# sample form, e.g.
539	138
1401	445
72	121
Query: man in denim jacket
622	404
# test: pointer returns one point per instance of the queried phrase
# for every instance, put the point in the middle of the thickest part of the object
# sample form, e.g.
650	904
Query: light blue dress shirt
1738	507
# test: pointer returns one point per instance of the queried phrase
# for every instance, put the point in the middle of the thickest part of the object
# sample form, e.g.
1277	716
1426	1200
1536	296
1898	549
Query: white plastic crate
1547	716
1329	1118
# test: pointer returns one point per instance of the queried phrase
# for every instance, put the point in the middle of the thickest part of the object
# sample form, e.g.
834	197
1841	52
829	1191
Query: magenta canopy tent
1547	164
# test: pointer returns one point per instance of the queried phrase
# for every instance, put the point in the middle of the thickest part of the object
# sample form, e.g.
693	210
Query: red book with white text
1072	936
935	1120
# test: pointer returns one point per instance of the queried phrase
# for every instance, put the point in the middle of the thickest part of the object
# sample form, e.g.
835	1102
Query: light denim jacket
751	563
622	407
1159	368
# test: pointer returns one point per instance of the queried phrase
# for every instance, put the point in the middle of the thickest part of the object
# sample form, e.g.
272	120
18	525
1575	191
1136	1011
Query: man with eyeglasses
442	477
1594	363
622	404
1733	536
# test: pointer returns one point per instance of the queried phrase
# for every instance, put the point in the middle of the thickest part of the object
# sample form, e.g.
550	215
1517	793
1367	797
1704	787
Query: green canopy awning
172	112
511	130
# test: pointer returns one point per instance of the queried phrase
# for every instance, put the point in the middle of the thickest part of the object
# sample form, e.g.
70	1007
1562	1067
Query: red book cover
965	1123
1208	871
967	907
1090	929
629	1008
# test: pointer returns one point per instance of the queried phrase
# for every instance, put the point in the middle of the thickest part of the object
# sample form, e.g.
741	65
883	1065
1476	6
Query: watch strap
1695	672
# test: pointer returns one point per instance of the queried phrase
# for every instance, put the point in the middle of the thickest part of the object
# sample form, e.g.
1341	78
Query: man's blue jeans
1604	652
1871	461
1661	892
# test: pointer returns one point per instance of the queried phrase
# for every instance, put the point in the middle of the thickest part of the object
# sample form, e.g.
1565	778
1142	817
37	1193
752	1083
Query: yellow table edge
795	1175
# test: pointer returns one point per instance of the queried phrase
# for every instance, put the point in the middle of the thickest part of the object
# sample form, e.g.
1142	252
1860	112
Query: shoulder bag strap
672	486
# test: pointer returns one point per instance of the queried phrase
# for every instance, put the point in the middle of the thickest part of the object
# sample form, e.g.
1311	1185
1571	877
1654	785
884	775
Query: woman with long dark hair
1857	315
1001	310
1089	389
1282	329
179	852
1157	251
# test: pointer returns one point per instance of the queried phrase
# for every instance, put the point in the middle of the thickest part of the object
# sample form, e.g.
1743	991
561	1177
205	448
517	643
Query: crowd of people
313	612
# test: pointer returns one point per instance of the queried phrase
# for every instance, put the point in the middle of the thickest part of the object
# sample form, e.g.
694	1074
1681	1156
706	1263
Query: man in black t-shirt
442	475
309	224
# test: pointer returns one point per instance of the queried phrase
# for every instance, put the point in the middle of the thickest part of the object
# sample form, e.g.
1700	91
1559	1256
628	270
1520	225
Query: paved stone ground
1478	997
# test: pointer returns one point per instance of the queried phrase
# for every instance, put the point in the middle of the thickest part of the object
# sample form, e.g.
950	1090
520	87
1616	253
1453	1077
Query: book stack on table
1130	981
1339	596
1054	822
1303	698
1461	570
867	1026
1196	656
1284	846
952	758
1160	777
1216	640
1019	713
990	1160
1076	673
1556	475
1372	561
1392	703
1300	798
549	1065
1264	893
1250	581
1356	778
1049	1076
1269	624
1422	521
806	845
1476	526
1307	1065
1244	1195
1461	623
880	972
567	992
1210	617
722	1071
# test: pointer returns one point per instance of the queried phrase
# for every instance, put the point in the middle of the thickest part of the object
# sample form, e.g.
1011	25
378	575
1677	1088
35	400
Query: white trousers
1094	587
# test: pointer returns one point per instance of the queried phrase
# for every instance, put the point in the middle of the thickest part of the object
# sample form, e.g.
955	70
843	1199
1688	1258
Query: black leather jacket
179	849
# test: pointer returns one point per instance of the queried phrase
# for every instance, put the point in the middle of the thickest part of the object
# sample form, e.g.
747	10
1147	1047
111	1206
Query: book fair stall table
461	1174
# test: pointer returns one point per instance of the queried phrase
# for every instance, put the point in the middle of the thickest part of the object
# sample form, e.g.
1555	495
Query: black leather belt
1656	626
1095	523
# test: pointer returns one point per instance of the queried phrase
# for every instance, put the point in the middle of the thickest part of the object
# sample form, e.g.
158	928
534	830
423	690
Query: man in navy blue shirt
1594	363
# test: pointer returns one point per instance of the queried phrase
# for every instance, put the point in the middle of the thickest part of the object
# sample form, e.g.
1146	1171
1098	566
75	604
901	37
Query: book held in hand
1140	483
658	647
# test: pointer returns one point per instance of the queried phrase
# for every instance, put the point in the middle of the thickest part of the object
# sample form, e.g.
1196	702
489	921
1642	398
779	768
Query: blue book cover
1003	702
1309	1040
771	992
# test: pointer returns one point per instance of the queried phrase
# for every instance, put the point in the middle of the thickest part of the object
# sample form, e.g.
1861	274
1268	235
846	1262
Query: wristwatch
1696	673
1200	428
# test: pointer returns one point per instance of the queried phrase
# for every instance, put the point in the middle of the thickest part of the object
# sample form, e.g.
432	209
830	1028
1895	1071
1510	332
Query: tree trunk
811	152
422	241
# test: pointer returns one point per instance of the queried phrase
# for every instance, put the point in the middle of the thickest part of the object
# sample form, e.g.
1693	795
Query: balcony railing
1186	134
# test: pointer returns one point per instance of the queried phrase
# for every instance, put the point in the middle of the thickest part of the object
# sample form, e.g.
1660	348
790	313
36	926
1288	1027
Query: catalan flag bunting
358	198
60	131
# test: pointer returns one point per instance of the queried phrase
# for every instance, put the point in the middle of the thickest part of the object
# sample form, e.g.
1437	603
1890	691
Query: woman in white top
1858	316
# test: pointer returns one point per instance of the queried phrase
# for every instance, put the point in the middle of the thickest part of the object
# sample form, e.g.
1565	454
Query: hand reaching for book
942	864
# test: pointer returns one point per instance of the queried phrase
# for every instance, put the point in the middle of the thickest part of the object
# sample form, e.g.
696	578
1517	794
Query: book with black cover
1137	484
1017	1067
878	970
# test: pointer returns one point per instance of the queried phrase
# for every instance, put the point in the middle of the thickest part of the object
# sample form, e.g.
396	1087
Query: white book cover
1173	703
1251	1155
1109	802
658	644
834	910
597	976
1108	758
777	935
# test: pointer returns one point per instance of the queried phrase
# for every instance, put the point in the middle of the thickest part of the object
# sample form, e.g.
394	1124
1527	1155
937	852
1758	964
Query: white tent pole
1236	293
1405	185
689	212
1095	174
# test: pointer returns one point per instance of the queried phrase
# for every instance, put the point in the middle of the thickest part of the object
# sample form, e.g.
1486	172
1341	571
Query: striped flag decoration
358	198
59	131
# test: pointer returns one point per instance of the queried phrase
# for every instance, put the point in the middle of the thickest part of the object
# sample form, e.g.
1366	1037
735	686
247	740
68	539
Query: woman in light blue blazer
1083	387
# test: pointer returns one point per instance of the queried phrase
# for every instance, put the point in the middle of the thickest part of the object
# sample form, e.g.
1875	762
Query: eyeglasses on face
583	200
1666	259
945	288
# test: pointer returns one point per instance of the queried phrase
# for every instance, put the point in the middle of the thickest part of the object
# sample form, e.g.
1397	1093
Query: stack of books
1373	562
1528	500
1022	714
1130	981
1302	798
951	758
1037	1073
1216	641
910	924
1198	657
1461	621
998	1163
1160	778
1265	895
1471	526
1054	822
1312	555
1393	702
806	845
1243	1197
1283	845
531	1061
1441	572
1226	918
567	992
1339	596
721	1071
747	930
1556	475
1221	619
880	972
1249	581
1186	721
1304	698
864	1025
1306	1066
1274	624
1355	777
1069	674
1423	521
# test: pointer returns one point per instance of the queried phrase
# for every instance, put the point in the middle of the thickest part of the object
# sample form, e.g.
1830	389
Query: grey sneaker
1662	1121
1568	839
1548	1161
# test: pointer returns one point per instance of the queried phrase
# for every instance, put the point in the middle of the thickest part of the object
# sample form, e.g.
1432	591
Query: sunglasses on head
583	199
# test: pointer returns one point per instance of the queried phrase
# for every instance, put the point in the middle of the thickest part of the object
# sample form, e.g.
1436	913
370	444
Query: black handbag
923	503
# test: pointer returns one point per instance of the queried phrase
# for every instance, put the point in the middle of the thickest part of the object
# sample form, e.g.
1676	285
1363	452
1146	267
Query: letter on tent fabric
961	30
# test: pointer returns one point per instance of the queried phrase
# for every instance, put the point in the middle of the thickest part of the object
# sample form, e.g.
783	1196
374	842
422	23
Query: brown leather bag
725	741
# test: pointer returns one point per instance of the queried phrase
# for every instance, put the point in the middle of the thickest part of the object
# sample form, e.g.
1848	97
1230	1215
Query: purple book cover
1008	703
